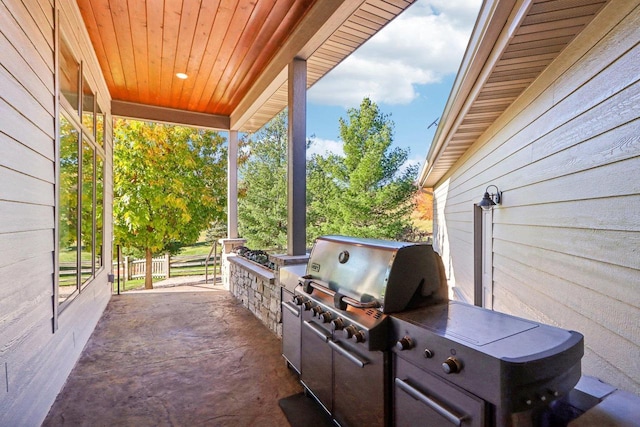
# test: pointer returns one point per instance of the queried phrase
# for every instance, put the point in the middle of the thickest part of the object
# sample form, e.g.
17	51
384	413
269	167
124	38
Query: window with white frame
80	179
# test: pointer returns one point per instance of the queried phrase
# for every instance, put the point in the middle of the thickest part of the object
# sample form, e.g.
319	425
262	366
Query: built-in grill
350	288
381	345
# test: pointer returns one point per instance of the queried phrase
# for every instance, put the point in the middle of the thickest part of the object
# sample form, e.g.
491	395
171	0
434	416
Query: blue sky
408	69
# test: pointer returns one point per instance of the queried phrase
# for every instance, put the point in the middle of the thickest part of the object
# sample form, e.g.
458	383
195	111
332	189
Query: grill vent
374	313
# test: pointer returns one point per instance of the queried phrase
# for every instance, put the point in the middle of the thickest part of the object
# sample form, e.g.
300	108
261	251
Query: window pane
86	250
99	126
68	213
99	210
69	75
88	107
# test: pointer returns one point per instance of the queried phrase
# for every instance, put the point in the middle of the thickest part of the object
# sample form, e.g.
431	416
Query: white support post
232	186
296	152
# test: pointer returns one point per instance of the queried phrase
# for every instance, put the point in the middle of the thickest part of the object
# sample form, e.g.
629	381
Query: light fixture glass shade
486	203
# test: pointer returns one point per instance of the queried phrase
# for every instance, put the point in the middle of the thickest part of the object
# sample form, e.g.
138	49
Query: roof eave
268	96
478	59
318	25
490	82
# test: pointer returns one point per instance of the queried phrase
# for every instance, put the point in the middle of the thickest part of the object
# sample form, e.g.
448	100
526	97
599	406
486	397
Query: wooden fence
160	266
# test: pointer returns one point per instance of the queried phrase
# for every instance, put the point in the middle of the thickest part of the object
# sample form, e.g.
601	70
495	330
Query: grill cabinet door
424	399
291	324
315	361
358	386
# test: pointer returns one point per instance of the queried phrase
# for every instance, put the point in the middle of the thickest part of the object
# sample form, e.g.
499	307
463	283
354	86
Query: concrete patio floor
178	356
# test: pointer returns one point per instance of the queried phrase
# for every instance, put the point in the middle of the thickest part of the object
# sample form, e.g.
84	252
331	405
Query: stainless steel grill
370	273
350	287
381	345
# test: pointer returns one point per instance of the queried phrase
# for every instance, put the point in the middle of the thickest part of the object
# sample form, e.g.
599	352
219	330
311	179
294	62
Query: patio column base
228	245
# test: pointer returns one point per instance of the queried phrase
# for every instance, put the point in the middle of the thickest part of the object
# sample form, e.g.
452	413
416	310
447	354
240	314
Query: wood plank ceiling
545	30
223	46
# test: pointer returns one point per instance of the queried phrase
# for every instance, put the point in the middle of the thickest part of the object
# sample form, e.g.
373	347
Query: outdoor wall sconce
489	200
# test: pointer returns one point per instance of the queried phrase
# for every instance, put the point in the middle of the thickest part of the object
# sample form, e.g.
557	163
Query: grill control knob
451	366
316	310
337	324
325	317
359	336
306	305
350	331
405	343
297	300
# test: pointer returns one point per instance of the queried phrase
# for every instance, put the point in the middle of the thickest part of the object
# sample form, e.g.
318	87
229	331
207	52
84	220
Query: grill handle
293	309
325	288
441	410
346	353
358	304
322	286
317	330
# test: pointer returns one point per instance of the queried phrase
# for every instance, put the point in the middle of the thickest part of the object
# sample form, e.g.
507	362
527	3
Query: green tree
169	185
262	205
367	192
323	193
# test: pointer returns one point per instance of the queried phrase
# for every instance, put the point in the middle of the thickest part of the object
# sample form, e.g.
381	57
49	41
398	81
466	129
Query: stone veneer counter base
255	286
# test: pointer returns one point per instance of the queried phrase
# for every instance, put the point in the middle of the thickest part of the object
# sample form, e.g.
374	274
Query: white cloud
323	146
419	47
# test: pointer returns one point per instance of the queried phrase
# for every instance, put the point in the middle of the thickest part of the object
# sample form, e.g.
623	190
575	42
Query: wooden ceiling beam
132	110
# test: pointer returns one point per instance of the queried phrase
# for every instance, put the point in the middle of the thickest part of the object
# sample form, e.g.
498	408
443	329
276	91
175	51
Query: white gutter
488	40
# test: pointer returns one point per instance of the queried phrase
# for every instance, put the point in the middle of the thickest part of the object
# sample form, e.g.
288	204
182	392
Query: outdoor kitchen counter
254	268
255	286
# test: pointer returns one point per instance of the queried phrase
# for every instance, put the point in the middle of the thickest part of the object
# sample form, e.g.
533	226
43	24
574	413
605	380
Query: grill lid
376	273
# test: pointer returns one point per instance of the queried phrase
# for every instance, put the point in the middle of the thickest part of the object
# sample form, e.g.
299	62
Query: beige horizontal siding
36	359
595	303
14	152
18	127
600	344
566	155
24	189
13	249
560	249
39	115
27	140
18	25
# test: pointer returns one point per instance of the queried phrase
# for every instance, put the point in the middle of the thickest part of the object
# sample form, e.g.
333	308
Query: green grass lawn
200	248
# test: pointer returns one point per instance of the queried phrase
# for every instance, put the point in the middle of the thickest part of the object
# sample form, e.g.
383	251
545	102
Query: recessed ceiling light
181	76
